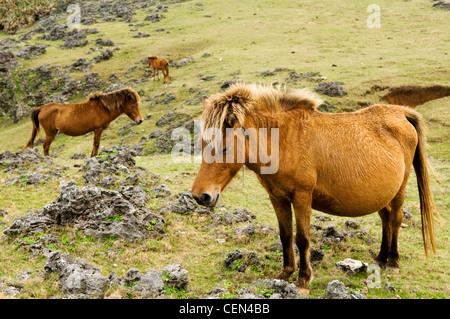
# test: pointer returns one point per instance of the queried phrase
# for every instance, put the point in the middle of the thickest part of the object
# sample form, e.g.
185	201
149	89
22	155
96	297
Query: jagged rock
182	62
81	65
140	35
337	290
231	258
78	156
104	56
330	89
112	160
174	276
352	266
92	82
98	212
31	51
185	204
239	261
104	43
315	256
249	230
154	17
10	161
217	293
56	32
133	275
77	277
151	285
57	262
160	191
240	215
275	289
332	236
28	179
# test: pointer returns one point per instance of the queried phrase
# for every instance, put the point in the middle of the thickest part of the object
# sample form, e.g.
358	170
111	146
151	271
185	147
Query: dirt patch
415	95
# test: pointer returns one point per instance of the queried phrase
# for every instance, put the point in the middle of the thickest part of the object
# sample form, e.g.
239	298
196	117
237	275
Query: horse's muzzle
138	121
205	199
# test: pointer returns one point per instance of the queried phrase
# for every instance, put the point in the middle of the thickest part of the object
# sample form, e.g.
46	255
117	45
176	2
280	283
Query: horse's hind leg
391	217
382	257
49	137
396	218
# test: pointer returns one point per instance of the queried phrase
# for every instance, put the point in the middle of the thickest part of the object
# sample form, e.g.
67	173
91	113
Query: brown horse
159	64
347	164
80	118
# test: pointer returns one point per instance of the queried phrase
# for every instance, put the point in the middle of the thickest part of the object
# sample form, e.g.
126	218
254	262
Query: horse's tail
420	164
35	121
167	69
415	95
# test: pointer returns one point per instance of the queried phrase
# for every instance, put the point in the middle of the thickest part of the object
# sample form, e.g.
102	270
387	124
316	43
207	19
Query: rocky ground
110	200
112	203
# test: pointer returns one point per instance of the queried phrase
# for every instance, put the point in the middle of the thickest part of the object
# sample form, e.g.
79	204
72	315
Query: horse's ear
132	96
204	101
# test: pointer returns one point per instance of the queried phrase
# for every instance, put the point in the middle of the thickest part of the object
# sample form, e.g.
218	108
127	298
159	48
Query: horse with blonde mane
76	119
345	164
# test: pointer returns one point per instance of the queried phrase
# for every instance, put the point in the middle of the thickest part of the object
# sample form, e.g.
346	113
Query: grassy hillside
240	40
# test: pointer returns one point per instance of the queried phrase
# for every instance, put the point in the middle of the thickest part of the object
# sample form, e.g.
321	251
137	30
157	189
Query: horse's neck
273	132
113	114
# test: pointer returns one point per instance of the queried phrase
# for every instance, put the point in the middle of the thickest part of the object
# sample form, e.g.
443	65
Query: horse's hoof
283	276
303	292
394	269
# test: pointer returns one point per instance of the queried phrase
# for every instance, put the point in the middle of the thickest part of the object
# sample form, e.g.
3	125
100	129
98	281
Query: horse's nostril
139	121
205	198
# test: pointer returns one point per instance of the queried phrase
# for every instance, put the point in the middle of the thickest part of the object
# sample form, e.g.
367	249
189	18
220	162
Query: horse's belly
351	206
358	197
73	131
73	127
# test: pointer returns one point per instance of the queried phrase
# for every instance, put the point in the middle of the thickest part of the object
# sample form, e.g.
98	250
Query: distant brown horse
347	164
159	64
80	118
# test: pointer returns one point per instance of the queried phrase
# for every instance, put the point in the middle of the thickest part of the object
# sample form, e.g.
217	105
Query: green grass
245	39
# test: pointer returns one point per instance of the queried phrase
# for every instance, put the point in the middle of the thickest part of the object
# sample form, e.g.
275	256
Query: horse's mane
114	100
229	108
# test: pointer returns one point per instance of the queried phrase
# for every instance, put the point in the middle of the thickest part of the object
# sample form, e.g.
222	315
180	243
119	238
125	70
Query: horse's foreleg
96	144
302	208
154	74
284	216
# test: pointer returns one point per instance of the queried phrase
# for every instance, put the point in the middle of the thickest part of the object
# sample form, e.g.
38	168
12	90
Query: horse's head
150	59
130	106
223	149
